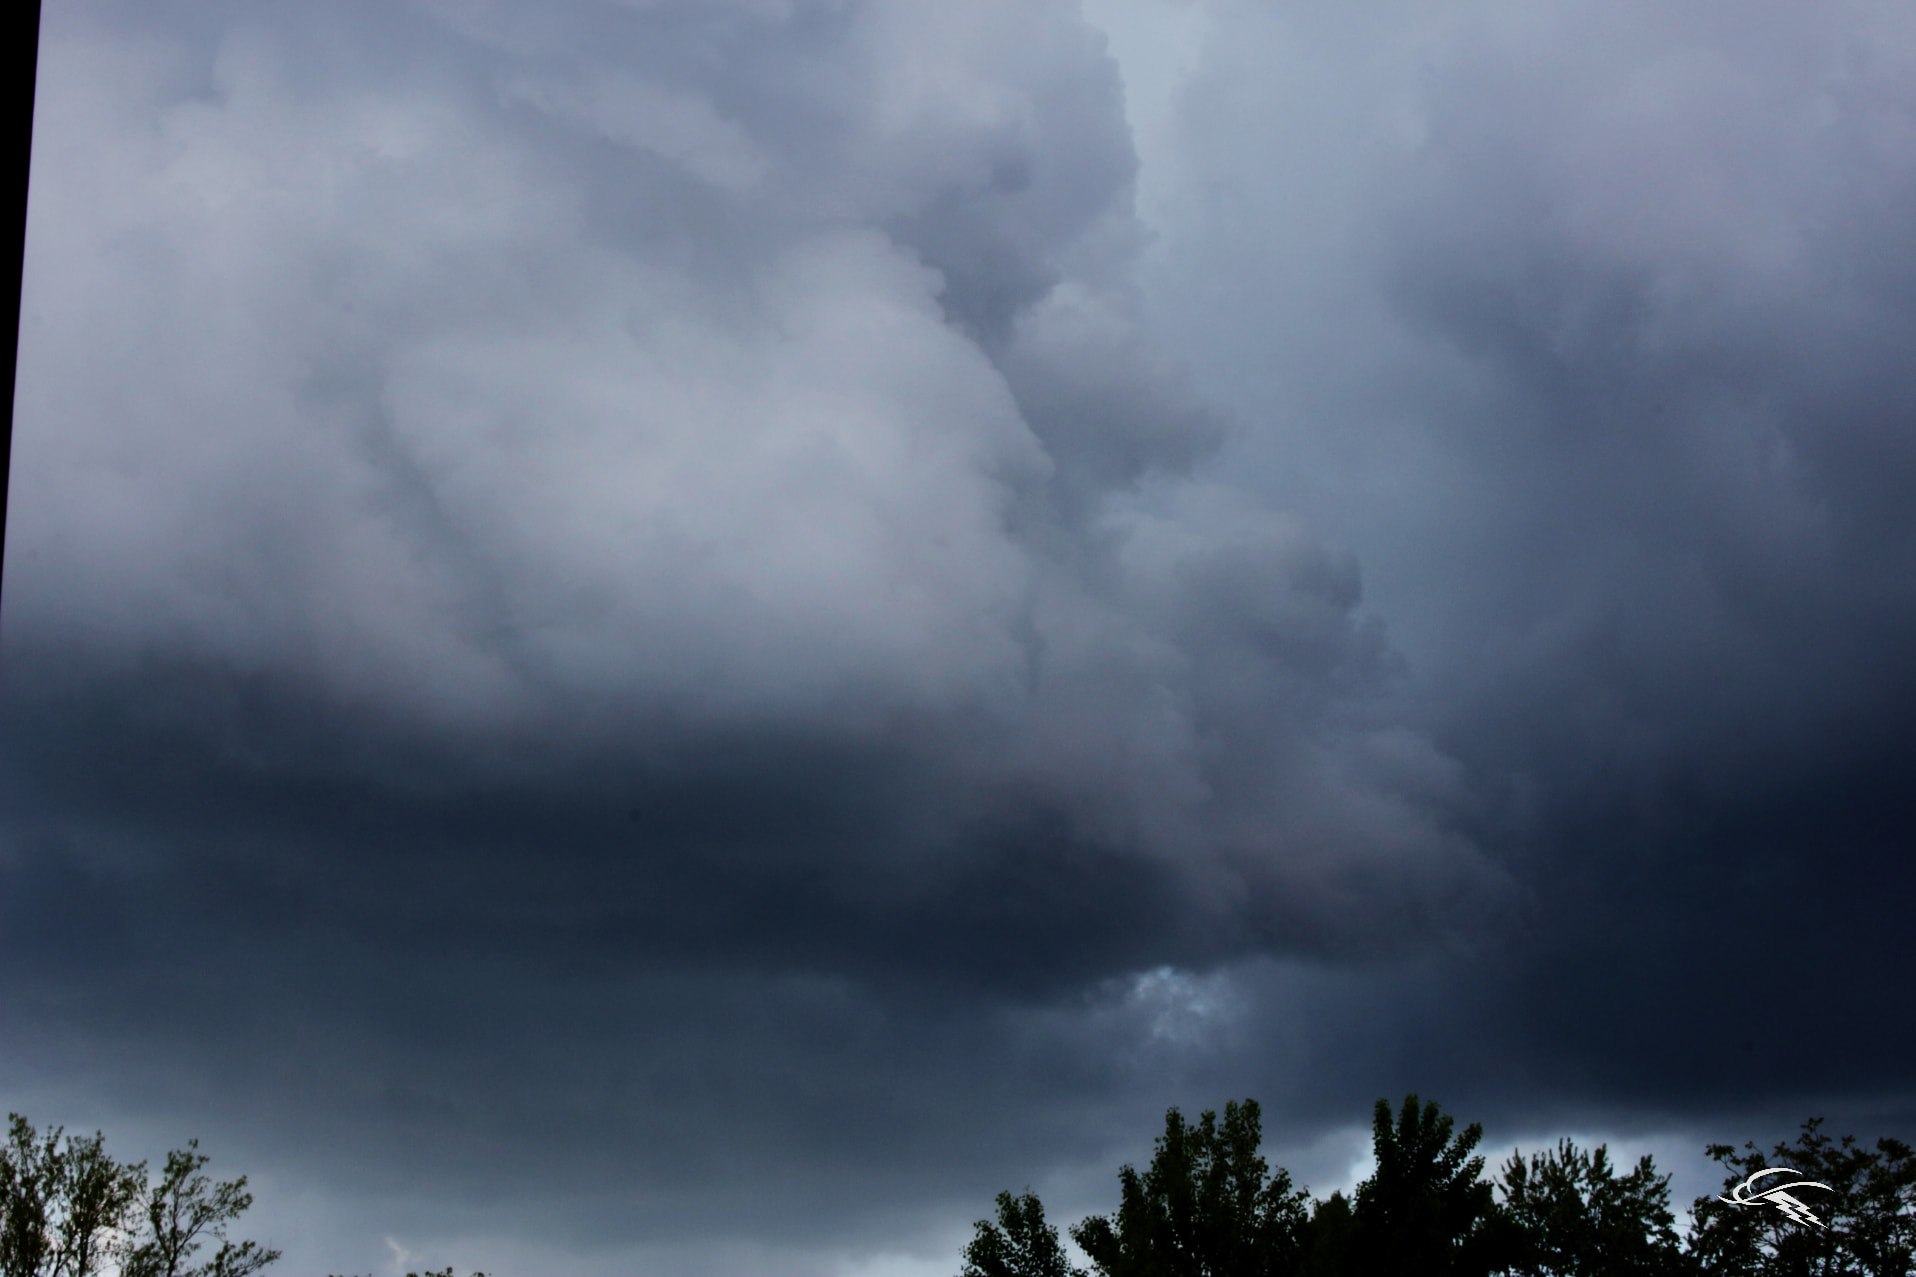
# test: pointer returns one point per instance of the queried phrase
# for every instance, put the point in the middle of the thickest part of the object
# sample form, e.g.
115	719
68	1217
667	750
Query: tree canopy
1209	1205
1426	1208
1020	1244
69	1210
1568	1211
1867	1215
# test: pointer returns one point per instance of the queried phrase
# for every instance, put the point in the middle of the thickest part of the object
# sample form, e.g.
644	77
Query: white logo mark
1745	1195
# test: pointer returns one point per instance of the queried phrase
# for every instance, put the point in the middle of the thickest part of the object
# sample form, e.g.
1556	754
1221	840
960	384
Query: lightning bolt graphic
1790	1206
1778	1197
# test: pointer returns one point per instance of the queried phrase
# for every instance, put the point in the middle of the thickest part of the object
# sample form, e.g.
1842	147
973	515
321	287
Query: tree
62	1211
1327	1239
1426	1208
1569	1213
100	1196
1867	1221
1020	1244
1207	1207
29	1177
185	1210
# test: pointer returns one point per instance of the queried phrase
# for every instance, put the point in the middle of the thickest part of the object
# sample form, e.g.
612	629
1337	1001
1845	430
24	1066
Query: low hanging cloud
628	579
520	403
626	641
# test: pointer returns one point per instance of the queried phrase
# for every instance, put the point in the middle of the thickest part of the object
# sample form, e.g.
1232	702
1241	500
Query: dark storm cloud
1695	322
1610	308
614	613
608	612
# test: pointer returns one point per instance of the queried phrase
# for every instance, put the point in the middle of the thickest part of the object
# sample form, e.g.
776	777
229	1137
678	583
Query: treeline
1209	1206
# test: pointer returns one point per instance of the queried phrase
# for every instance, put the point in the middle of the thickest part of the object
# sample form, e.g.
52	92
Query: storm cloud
683	632
1602	381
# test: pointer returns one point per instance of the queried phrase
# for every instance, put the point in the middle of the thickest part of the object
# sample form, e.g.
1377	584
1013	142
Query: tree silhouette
183	1212
1867	1218
29	1178
1568	1212
1020	1244
1426	1208
1209	1206
1328	1238
62	1210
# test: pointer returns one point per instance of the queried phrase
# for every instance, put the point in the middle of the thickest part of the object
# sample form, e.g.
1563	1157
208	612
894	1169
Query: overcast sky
687	635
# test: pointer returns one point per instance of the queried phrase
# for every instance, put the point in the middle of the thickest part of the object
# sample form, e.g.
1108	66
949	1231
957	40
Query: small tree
184	1211
1328	1238
1020	1244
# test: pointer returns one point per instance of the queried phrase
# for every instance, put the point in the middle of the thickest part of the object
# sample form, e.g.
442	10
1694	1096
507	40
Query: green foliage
61	1208
183	1212
99	1194
1568	1212
29	1177
1020	1244
1426	1208
1869	1217
72	1211
1207	1207
1329	1238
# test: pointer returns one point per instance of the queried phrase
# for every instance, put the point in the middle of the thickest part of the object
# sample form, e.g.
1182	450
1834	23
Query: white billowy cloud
555	374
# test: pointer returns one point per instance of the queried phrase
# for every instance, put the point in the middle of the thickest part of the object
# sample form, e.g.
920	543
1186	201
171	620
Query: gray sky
689	636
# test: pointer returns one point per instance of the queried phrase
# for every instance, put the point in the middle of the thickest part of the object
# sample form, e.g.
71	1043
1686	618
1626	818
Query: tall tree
62	1209
1020	1244
1426	1208
1208	1206
183	1212
1865	1222
1570	1213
